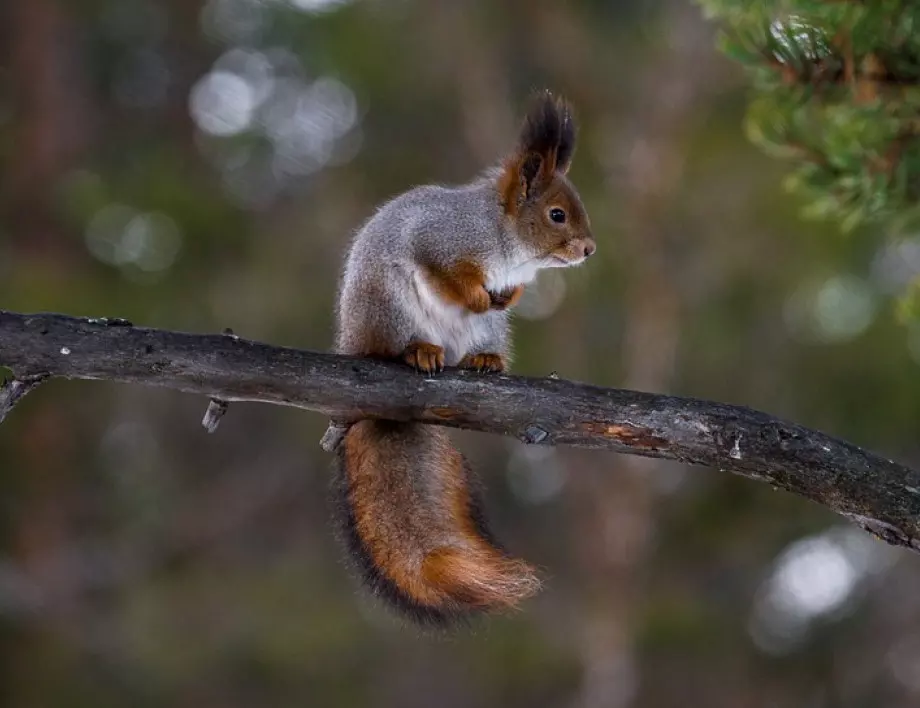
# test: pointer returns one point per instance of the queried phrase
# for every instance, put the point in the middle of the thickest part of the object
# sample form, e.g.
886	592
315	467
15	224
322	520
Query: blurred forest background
201	164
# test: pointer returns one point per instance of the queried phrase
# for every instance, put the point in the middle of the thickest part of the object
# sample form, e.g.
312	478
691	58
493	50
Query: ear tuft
545	147
549	131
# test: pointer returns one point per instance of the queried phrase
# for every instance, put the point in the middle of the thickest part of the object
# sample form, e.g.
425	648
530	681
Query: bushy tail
412	520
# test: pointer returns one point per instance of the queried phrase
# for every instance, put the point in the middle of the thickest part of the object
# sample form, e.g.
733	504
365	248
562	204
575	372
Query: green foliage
837	95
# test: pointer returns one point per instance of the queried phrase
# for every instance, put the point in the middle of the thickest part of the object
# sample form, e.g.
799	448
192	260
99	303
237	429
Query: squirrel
429	281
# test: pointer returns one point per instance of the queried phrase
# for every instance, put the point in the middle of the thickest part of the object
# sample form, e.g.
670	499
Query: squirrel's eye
557	215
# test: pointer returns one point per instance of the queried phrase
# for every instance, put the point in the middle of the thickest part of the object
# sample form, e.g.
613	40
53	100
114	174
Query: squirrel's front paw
483	362
479	300
504	299
424	356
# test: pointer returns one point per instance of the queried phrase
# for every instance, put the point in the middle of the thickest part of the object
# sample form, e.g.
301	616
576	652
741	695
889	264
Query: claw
484	363
424	357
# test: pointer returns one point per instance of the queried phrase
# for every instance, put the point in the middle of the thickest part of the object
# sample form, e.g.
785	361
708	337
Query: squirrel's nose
590	248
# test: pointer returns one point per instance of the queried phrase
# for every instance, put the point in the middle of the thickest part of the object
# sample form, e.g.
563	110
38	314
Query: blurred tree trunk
454	30
52	121
50	129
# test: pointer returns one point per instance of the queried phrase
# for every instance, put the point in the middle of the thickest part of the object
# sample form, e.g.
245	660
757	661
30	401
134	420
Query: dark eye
557	215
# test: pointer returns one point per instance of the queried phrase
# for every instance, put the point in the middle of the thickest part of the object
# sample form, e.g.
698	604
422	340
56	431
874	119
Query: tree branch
881	496
13	391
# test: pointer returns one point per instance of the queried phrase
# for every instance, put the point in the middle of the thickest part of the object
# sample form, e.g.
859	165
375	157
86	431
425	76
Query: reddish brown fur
566	241
506	298
479	578
483	362
533	181
532	220
463	285
511	185
411	508
377	510
424	356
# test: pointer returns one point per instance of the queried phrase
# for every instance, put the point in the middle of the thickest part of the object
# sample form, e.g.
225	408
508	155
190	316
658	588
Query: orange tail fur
412	520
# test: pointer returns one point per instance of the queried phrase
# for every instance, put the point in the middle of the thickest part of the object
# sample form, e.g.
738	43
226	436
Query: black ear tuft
542	128
549	131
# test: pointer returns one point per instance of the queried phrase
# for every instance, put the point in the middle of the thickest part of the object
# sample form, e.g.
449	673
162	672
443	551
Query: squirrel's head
543	205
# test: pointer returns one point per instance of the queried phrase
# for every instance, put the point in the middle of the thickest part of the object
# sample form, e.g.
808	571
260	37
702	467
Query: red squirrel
429	281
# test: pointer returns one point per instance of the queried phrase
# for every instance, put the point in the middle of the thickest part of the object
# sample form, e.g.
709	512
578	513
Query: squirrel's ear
540	132
545	147
549	131
520	181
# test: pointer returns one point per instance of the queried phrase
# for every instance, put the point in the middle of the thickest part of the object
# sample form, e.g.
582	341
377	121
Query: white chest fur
444	323
501	276
453	327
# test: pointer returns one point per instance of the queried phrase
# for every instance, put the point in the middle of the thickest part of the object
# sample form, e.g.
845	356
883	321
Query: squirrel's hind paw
425	357
494	363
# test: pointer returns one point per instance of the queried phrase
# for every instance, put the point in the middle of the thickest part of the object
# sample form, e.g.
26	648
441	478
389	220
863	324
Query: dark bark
881	496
